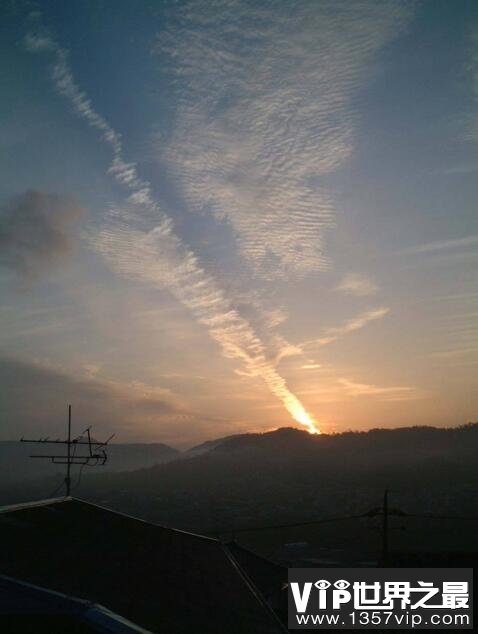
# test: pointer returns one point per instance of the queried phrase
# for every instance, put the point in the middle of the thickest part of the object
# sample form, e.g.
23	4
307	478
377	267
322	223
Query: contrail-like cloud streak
358	322
158	256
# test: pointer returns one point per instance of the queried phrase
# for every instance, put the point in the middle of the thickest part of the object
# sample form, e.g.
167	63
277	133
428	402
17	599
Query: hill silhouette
289	476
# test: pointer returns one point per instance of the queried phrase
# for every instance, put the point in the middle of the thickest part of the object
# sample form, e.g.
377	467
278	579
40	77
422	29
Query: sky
229	216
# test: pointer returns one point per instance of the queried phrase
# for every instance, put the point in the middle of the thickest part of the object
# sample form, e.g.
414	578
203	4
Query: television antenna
94	456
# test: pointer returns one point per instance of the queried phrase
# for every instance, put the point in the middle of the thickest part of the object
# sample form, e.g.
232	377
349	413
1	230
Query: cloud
462	168
458	331
357	284
358	322
397	393
36	393
139	242
459	352
34	231
442	245
334	389
264	109
158	257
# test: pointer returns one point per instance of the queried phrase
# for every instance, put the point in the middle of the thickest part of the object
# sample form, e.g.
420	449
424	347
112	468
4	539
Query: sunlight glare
302	417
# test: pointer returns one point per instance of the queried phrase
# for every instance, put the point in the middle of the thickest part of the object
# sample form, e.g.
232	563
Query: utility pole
68	462
95	456
385	512
385	528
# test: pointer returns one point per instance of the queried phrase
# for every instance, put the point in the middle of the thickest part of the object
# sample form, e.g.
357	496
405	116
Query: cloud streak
157	255
397	393
357	284
356	323
265	109
442	245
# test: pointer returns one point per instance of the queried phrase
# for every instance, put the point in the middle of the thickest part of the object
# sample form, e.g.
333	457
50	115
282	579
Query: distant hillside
16	466
392	443
288	476
210	445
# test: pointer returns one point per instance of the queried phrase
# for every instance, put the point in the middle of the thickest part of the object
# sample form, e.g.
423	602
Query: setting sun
300	415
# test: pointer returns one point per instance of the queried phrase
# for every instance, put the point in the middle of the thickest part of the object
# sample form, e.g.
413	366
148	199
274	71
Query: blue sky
228	216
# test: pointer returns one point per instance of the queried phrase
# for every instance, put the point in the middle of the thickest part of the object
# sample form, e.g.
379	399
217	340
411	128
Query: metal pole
385	529
68	463
96	452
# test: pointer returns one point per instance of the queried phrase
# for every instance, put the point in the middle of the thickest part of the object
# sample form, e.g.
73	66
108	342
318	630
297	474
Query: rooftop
162	579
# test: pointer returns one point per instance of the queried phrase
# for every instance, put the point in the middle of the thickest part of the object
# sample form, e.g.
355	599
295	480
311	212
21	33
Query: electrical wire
442	517
58	488
375	513
77	484
292	525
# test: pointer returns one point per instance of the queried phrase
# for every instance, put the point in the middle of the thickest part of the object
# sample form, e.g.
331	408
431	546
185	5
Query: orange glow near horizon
301	416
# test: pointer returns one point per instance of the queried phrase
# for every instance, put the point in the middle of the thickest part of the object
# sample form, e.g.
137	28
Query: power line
79	477
58	488
384	511
263	527
442	517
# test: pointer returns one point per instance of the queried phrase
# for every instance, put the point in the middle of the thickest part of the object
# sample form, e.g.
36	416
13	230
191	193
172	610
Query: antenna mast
94	456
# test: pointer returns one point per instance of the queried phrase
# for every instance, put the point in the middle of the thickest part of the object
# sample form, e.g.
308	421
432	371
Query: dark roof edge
253	589
138	519
252	552
10	508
